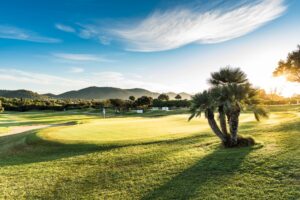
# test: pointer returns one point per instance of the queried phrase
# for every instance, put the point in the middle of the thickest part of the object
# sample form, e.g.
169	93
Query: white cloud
116	79
106	77
76	70
93	32
44	83
164	30
65	28
81	57
38	78
10	32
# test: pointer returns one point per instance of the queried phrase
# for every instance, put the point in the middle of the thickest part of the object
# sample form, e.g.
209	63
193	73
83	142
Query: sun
282	86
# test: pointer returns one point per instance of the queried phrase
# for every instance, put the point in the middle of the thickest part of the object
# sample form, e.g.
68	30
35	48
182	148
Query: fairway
147	157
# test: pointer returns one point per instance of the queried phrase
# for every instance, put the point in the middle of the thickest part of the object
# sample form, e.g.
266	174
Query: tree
230	93
118	104
163	97
291	67
144	101
132	98
178	97
1	108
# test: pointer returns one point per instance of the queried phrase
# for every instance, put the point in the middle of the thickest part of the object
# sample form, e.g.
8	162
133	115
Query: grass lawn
151	156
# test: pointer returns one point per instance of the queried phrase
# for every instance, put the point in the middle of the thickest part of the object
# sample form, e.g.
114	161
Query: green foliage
163	97
132	98
291	67
230	93
171	103
15	104
228	75
144	101
201	103
178	97
1	107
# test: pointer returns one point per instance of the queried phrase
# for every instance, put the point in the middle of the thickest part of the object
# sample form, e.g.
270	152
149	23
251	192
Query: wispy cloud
109	76
76	70
173	28
19	79
117	79
81	57
94	32
65	28
38	78
15	33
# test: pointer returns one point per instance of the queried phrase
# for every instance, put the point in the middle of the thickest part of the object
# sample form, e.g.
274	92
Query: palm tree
228	75
205	103
229	95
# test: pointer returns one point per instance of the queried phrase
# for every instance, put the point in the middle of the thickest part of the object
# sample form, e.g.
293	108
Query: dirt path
21	129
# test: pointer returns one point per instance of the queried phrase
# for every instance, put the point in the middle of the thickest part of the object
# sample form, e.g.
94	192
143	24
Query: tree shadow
212	168
27	147
88	183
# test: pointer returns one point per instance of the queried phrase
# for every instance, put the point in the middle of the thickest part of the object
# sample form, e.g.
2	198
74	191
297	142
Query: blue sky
160	45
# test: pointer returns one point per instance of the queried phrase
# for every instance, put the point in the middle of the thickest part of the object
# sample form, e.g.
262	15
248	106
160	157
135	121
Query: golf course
156	155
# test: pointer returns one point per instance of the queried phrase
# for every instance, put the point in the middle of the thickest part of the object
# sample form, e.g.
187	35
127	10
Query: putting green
136	129
125	129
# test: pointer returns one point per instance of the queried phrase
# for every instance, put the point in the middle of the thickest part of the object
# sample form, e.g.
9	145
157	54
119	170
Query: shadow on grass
209	170
26	148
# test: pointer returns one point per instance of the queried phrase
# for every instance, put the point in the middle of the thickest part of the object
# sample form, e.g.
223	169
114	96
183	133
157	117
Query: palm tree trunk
234	124
223	122
214	126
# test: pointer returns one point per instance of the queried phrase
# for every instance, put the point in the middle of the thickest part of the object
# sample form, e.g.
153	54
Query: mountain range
90	93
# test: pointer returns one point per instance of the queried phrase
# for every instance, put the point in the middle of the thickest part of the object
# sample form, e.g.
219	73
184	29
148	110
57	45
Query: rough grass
148	158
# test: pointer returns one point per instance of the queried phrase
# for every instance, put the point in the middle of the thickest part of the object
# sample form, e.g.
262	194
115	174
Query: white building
165	108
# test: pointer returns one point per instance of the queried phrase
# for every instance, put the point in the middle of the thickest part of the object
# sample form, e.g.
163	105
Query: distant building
139	111
165	108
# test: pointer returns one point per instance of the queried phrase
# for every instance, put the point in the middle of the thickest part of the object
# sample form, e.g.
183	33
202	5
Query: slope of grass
149	158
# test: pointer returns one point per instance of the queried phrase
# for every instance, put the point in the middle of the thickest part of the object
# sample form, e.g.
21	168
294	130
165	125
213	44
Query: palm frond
260	112
228	75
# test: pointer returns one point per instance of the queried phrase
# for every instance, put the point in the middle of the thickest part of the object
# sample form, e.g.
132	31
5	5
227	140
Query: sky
160	45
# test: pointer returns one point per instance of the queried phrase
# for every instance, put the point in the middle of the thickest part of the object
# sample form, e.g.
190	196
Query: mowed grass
148	157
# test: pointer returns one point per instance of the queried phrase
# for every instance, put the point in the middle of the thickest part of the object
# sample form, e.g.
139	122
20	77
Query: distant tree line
145	102
119	105
23	104
274	98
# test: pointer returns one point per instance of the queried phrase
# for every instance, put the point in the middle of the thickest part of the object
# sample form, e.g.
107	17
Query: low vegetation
148	157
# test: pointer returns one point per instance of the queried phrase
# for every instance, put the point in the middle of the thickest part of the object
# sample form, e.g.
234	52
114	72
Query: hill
20	94
90	93
106	93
